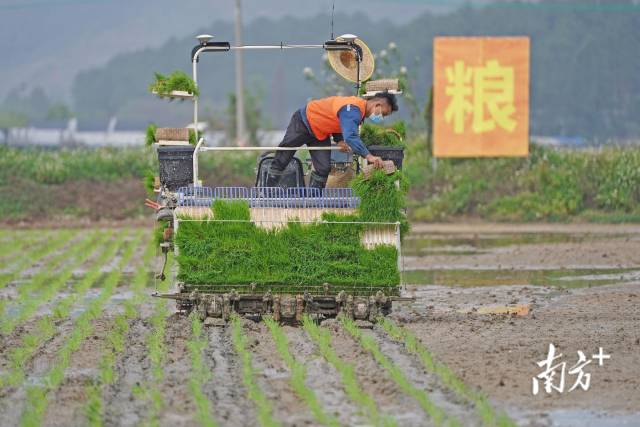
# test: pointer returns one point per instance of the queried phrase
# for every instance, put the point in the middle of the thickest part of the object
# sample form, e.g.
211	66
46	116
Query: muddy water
569	278
560	259
582	286
467	244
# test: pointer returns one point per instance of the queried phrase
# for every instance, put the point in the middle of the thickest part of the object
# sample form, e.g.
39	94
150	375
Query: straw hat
344	62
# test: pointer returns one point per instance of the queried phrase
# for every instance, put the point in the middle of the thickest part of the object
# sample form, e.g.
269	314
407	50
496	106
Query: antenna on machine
333	7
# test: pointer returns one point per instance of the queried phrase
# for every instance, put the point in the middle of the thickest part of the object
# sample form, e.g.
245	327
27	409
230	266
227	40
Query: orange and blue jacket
336	115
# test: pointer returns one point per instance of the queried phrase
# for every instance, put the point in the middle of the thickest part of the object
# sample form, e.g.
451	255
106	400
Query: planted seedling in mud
489	416
38	394
265	412
36	255
46	284
94	408
116	341
14	244
365	402
150	391
199	373
298	375
33	257
45	328
437	414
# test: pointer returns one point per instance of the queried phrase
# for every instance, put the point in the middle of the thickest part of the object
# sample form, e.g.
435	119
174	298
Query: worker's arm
350	118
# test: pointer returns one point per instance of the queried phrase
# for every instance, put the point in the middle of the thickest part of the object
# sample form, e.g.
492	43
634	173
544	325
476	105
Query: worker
339	116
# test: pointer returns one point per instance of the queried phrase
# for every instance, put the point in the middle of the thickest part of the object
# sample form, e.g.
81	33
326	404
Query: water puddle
565	278
578	418
472	244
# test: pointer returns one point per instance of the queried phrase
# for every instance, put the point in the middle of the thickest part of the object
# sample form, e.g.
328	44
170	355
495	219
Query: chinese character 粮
486	92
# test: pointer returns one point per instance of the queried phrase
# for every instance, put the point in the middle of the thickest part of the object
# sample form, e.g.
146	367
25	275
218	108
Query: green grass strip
49	282
36	255
45	328
489	416
298	375
265	412
437	414
366	403
199	373
94	407
37	395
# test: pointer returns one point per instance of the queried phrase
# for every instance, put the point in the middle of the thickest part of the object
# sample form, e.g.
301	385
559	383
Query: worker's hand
344	148
375	160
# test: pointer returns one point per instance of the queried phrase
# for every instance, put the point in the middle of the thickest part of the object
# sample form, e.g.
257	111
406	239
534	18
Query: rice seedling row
36	255
157	352
437	414
199	373
11	246
51	266
29	300
90	279
45	328
322	339
298	375
26	290
264	409
94	407
37	398
489	415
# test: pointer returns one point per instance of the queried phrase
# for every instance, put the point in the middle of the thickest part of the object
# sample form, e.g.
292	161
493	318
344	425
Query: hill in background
583	76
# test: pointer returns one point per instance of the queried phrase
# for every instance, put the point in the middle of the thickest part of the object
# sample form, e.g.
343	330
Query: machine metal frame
323	300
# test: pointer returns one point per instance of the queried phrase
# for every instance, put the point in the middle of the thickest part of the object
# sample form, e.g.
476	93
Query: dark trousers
298	135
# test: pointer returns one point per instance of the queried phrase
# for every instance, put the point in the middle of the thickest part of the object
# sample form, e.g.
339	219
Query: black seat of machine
293	175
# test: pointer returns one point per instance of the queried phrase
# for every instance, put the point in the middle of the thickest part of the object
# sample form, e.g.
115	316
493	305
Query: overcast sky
51	40
48	41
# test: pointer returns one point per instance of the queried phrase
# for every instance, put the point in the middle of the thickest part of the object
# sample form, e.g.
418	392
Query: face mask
376	118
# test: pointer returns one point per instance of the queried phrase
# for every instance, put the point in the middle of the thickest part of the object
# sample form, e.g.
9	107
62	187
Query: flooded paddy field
83	341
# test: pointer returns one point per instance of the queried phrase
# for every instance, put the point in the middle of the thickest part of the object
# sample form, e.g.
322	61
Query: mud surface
390	400
498	353
274	377
322	376
578	287
225	390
